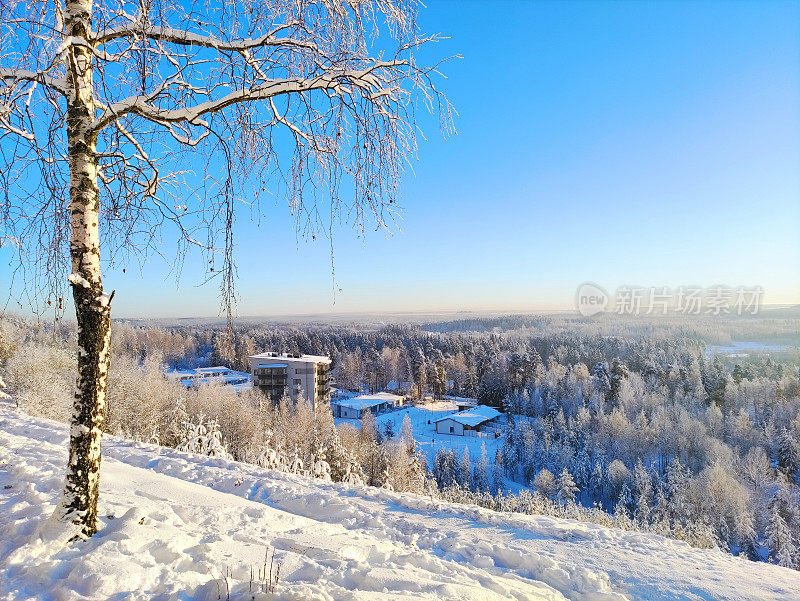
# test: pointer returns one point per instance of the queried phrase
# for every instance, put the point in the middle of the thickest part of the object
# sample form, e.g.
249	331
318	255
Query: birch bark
92	307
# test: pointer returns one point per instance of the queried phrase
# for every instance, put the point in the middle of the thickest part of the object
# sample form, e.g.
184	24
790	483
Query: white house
206	375
465	422
354	408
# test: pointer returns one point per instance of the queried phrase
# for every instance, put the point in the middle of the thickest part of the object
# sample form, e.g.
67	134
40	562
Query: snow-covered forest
632	423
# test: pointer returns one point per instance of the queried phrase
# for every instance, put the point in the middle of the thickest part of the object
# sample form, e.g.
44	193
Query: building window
452	430
297	381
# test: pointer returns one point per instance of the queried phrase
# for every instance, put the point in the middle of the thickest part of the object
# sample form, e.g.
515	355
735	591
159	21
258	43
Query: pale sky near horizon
622	143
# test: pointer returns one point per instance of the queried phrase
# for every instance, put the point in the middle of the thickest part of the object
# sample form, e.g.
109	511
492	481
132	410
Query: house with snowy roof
355	407
468	422
211	375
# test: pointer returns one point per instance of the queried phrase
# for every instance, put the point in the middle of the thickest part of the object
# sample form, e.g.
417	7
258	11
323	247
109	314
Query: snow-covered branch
187	38
334	81
12	76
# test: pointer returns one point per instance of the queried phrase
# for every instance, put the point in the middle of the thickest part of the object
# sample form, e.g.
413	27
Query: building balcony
269	379
269	384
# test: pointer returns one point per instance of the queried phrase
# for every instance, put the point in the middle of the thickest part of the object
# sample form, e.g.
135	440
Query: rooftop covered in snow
472	417
366	401
207	375
274	357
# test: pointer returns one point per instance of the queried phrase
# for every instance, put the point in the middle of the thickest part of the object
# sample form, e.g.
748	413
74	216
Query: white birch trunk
79	503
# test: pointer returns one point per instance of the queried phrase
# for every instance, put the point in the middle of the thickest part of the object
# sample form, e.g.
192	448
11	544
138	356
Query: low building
211	375
468	422
293	375
355	407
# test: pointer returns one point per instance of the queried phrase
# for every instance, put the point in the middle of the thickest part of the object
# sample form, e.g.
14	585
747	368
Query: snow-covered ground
422	421
173	525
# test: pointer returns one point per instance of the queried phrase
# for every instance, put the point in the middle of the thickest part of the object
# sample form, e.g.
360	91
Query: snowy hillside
173	525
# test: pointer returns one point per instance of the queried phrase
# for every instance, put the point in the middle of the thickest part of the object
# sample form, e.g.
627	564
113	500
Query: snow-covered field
173	525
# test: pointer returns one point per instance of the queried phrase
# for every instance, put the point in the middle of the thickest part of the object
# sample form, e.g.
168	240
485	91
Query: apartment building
292	374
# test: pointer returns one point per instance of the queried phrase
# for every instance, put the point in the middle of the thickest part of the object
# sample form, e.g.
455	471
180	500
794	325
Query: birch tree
118	118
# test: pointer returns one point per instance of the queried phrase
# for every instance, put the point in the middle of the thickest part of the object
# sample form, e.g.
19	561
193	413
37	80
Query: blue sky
624	143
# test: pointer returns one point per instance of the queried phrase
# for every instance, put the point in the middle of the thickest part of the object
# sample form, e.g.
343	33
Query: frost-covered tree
497	477
419	370
678	481
320	468
3	394
439	380
444	468
782	547
203	438
611	379
643	492
624	501
481	473
756	468
39	377
465	470
406	469
379	473
617	475
296	465
104	103
273	459
176	417
407	435
139	397
369	427
596	483
546	483
343	465
714	378
566	488
788	455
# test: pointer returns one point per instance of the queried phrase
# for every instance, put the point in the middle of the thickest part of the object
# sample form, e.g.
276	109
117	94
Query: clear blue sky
625	143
